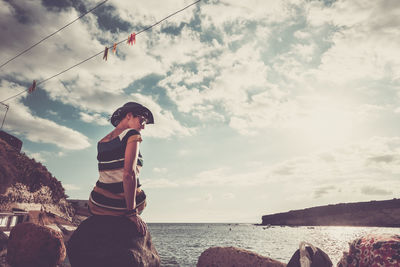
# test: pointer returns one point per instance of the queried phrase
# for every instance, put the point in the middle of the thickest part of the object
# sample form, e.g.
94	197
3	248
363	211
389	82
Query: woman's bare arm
129	181
129	178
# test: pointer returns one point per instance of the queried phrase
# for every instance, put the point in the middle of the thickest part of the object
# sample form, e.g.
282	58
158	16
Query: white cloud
228	196
42	156
71	187
52	112
240	76
183	152
350	173
301	34
370	190
372	164
240	87
305	51
148	12
165	125
160	170
93	118
159	183
219	13
37	156
319	192
91	85
226	176
88	86
365	43
233	73
21	120
207	198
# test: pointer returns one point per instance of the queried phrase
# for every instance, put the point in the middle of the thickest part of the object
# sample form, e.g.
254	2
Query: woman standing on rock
118	192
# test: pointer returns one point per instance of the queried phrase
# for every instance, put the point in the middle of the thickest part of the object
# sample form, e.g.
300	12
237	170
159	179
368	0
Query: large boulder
231	257
372	250
34	245
105	241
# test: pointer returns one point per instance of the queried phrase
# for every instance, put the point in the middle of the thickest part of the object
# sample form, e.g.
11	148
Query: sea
181	244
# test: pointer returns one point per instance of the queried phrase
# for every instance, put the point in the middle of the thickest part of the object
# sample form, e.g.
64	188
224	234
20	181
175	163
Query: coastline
385	213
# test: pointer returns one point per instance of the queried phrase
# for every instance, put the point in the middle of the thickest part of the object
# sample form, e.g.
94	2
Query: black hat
136	109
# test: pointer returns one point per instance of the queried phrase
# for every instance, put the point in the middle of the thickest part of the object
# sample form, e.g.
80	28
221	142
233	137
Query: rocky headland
384	213
26	184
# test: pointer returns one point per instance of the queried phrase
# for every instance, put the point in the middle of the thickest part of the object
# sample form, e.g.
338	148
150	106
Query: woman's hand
140	224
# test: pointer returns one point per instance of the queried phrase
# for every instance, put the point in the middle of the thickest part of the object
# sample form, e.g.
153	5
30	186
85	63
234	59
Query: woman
117	192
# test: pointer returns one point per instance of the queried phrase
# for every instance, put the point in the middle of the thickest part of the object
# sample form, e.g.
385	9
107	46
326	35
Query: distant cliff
374	213
28	185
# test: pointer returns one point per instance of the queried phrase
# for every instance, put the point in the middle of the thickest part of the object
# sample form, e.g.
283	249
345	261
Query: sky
260	106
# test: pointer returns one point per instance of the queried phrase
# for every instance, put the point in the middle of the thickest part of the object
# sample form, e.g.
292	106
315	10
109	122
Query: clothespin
114	48
105	54
132	39
32	87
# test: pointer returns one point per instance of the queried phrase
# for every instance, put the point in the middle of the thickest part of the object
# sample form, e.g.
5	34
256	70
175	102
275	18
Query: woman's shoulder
120	137
128	133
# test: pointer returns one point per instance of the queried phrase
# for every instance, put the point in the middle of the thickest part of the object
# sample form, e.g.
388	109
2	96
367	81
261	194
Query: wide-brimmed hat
136	109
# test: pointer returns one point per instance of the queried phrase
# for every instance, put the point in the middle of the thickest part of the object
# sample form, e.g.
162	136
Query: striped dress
107	197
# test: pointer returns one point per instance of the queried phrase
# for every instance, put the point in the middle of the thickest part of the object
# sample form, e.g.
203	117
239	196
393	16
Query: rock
315	256
3	240
231	256
372	250
34	245
3	248
105	241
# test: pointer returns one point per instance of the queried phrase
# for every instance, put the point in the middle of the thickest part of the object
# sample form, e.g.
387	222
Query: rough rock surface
33	245
3	240
231	257
3	248
104	241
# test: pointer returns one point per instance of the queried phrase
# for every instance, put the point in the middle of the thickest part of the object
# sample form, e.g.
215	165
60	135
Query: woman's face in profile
137	122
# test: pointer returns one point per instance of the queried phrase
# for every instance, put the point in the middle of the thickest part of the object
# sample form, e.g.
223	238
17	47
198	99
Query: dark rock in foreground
105	241
374	213
34	245
231	256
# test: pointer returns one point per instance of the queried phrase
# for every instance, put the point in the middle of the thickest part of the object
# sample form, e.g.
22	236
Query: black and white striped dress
107	197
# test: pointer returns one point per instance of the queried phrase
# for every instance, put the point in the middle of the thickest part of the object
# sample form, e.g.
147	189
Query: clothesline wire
50	35
101	52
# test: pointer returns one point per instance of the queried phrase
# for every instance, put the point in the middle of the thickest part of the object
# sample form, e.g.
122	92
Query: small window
13	221
3	221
